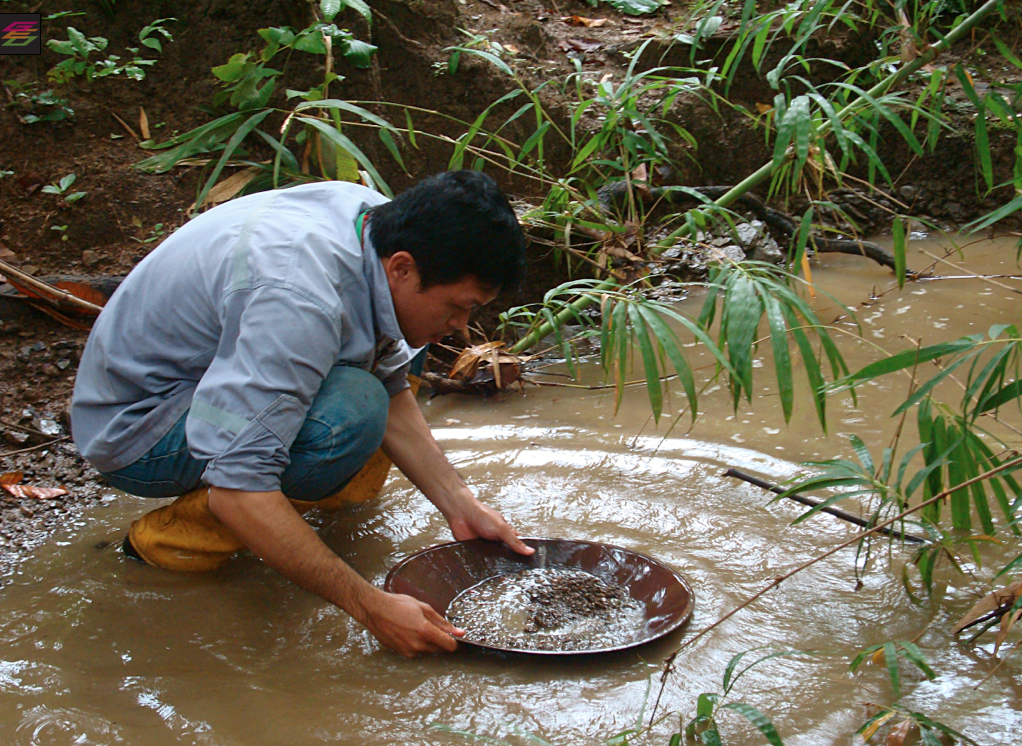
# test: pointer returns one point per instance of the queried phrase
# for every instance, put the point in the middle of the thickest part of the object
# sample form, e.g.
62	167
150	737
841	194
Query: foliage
704	726
632	7
61	188
79	50
42	106
318	147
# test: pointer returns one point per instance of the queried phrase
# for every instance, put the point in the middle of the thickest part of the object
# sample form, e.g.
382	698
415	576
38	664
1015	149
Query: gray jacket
237	318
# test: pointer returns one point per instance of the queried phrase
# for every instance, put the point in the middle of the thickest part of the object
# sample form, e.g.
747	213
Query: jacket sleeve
276	347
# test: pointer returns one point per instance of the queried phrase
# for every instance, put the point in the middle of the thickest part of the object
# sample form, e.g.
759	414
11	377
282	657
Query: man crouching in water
256	364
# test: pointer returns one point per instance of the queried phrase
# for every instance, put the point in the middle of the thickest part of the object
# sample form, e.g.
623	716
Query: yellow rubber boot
184	535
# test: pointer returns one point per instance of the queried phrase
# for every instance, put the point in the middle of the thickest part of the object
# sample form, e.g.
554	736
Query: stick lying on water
816	503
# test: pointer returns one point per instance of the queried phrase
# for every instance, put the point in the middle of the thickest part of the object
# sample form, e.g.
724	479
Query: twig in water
837	513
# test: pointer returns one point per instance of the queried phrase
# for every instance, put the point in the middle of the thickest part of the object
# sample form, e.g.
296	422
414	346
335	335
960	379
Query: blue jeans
343	428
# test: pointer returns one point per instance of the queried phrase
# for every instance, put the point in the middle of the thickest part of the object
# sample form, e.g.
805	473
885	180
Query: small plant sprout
61	188
157	233
61	229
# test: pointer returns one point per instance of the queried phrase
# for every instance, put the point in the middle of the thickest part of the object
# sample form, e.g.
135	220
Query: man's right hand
408	626
266	523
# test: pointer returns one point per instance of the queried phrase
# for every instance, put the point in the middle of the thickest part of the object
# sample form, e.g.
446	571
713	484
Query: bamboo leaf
240	134
757	718
908	359
900	248
669	341
891	658
782	355
742	314
649	362
348	146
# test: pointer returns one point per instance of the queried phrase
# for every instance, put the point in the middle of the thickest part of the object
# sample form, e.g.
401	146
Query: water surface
96	650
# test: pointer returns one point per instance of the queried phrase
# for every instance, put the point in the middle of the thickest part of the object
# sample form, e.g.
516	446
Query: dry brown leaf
899	733
580	45
469	360
83	291
228	188
39	493
764	108
11	477
990	603
143	123
583	21
1007	622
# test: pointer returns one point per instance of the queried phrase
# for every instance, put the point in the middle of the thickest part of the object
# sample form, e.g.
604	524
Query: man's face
430	315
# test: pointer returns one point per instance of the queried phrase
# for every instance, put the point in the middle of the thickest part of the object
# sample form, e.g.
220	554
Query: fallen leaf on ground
583	21
990	603
11	477
143	123
579	45
39	493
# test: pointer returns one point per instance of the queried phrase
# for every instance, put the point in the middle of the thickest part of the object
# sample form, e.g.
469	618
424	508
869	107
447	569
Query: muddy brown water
95	650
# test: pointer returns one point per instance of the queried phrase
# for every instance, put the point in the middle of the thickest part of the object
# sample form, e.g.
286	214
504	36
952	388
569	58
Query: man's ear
401	270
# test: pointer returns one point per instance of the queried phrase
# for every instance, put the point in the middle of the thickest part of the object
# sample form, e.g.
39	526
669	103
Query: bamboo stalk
50	293
767	170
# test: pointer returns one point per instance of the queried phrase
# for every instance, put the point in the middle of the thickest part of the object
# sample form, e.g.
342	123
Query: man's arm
269	526
411	446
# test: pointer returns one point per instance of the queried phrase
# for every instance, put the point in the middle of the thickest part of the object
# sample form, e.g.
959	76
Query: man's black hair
454	224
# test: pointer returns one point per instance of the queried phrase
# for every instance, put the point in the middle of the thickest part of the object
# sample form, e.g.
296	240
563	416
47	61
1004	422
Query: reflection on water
94	650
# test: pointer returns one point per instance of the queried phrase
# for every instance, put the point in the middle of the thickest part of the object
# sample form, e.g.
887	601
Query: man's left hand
473	520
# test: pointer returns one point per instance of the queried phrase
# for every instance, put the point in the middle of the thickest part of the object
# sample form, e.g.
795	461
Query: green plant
4	174
61	188
80	49
43	106
311	143
61	229
157	233
704	726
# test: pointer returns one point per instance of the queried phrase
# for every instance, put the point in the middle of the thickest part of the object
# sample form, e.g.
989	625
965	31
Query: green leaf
669	341
900	248
234	69
388	141
240	134
635	7
359	53
782	355
757	718
1011	567
741	318
908	359
706	701
336	103
329	9
488	56
893	671
1000	397
997	215
67	181
347	145
649	361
